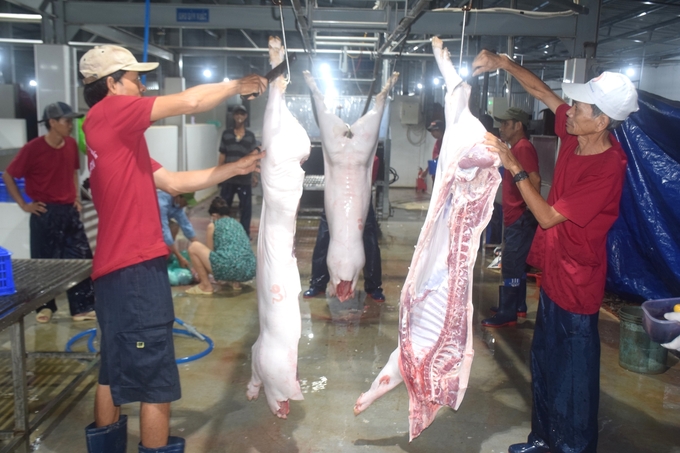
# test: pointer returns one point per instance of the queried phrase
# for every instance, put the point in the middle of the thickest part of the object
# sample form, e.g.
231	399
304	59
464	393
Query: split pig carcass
274	354
434	354
348	152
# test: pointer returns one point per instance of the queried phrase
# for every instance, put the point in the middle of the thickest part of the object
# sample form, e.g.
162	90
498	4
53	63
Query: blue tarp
644	243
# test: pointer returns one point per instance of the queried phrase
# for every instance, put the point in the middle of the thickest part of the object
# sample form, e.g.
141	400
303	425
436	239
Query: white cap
613	93
105	60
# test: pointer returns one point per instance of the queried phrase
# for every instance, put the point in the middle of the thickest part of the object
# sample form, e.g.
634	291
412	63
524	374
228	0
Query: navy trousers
245	201
59	234
372	268
565	374
518	239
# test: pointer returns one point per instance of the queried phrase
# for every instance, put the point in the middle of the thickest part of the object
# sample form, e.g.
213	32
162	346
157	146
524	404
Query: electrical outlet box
410	113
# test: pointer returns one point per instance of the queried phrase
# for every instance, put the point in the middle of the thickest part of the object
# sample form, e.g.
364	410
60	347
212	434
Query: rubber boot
507	313
522	300
107	439
175	445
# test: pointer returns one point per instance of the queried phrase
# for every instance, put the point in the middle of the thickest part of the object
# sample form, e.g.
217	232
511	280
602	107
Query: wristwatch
520	176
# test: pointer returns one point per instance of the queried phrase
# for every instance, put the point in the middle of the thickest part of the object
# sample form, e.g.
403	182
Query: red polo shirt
513	203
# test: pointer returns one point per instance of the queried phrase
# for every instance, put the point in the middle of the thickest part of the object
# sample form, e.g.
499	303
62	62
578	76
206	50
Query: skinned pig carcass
274	359
348	160
435	353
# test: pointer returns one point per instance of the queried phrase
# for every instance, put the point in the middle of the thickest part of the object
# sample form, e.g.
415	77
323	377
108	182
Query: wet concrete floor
342	349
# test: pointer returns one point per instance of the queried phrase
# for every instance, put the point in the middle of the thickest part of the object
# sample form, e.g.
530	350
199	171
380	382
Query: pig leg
389	377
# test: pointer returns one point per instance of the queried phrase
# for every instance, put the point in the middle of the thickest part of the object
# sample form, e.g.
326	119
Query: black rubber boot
107	439
175	445
522	300
507	314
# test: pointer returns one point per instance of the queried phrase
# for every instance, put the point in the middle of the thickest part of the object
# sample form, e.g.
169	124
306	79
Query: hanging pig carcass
274	360
348	159
435	353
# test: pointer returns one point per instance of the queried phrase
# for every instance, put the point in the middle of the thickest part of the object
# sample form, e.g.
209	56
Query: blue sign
193	15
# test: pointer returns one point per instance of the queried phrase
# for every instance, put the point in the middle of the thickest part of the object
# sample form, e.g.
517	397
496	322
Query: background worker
437	129
570	248
134	301
520	223
172	208
226	254
236	143
49	165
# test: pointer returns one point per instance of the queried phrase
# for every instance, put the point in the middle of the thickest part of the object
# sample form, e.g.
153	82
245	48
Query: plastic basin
657	327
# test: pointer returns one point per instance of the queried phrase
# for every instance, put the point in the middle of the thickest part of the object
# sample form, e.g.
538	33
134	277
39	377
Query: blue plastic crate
6	279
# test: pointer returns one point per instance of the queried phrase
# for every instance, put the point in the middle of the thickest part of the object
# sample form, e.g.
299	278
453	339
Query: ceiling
630	32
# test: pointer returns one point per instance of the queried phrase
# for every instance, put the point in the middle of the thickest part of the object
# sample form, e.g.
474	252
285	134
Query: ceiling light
226	79
463	71
546	46
630	72
436	81
207	73
420	86
545	51
643	13
33	83
516	48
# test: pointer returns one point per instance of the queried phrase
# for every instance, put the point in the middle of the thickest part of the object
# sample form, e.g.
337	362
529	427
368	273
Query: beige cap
104	60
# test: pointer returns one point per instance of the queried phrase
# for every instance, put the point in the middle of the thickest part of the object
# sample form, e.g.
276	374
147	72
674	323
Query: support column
54	75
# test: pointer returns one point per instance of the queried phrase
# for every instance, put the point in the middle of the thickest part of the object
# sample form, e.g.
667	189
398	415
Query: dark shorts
135	313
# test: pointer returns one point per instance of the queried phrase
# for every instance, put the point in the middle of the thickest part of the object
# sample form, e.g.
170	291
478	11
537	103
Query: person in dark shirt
235	144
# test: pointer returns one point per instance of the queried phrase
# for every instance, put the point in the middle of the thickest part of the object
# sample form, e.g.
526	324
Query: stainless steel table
37	281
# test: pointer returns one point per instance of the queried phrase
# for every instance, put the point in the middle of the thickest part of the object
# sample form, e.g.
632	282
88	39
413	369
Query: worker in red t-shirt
49	165
134	302
570	248
520	223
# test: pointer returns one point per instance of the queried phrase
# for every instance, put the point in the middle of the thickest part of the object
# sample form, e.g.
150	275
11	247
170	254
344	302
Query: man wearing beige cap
520	224
134	302
570	248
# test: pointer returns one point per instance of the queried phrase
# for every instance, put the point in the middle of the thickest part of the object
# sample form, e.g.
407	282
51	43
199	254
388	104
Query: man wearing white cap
570	248
134	302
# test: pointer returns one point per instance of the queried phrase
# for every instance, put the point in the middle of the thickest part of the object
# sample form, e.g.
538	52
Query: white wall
163	145
202	144
12	133
14	230
662	81
408	155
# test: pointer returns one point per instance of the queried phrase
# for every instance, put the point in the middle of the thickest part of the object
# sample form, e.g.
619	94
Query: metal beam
128	40
404	25
447	22
303	26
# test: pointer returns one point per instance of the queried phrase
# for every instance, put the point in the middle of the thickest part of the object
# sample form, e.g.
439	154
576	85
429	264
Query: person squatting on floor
520	223
49	165
236	143
570	249
172	208
134	302
227	253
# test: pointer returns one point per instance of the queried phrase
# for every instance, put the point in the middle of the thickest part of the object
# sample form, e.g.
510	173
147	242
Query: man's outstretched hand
249	163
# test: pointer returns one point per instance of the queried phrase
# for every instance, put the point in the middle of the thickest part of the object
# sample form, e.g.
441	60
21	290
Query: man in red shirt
134	302
49	164
570	248
520	223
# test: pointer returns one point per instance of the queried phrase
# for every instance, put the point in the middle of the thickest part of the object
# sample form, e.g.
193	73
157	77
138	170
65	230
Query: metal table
37	282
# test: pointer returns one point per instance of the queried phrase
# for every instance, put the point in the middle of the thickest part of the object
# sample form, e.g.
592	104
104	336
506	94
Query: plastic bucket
637	352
